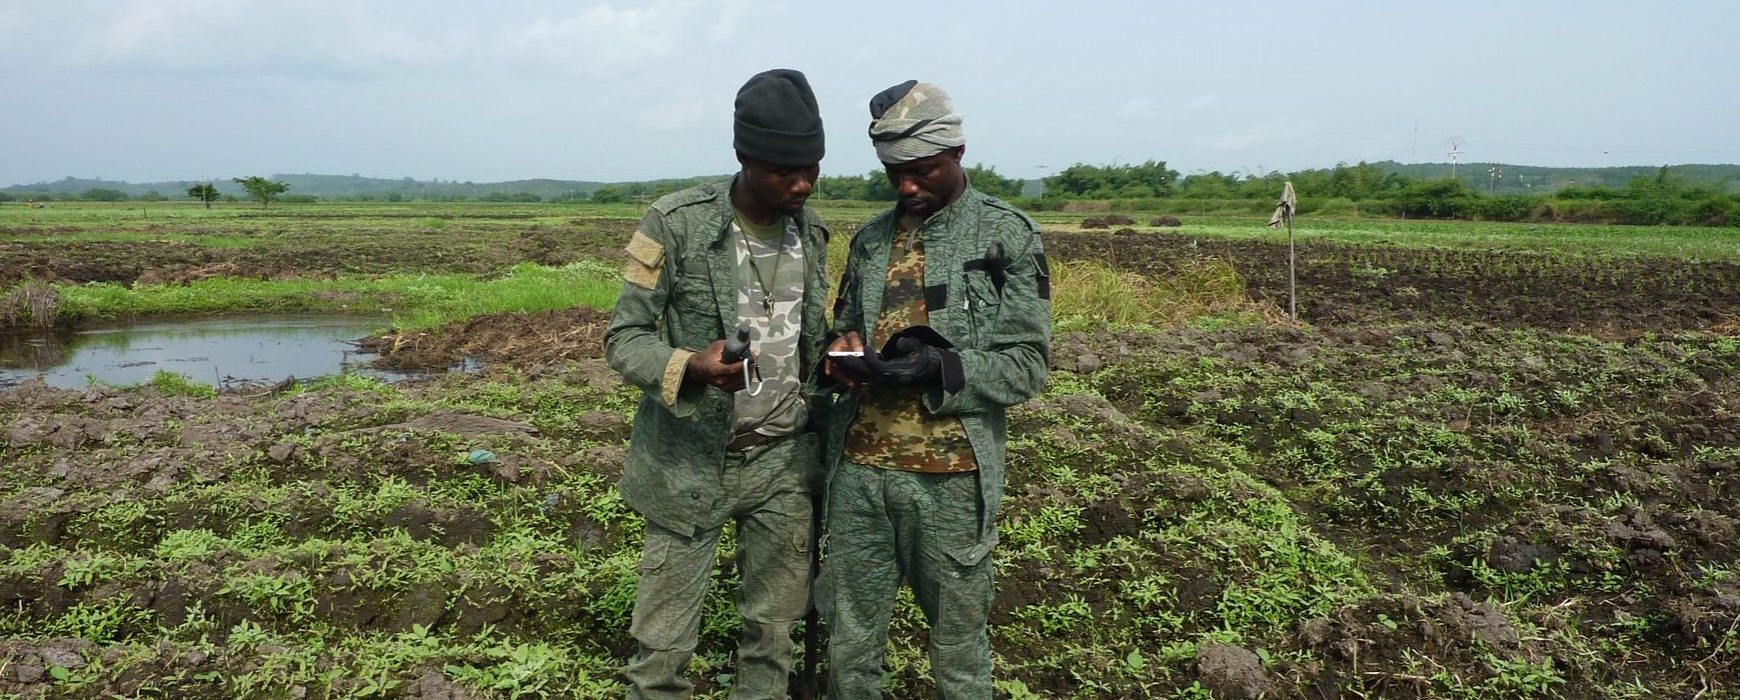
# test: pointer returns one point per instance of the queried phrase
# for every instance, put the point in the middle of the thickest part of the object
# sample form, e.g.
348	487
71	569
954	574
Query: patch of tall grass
33	303
529	288
1090	293
414	300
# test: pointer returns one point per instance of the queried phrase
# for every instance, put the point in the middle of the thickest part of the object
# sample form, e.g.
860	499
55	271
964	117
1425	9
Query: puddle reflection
215	351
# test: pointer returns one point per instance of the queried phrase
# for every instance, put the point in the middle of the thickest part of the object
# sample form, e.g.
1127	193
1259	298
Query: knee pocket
653	556
965	608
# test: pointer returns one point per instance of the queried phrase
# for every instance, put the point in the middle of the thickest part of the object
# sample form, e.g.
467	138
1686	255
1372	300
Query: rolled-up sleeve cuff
672	382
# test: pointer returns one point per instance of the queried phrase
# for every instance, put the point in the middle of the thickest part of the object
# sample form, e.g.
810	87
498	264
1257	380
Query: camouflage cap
913	120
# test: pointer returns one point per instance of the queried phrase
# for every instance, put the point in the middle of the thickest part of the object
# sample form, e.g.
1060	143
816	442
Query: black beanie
777	120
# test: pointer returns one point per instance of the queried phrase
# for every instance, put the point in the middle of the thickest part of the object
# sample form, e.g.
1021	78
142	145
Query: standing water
215	351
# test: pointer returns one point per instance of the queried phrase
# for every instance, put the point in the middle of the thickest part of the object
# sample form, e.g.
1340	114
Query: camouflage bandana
913	120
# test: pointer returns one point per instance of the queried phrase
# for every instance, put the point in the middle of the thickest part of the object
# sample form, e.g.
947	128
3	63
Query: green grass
415	301
530	288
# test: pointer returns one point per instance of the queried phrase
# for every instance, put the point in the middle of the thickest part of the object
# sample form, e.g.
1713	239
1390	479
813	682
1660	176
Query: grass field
1492	460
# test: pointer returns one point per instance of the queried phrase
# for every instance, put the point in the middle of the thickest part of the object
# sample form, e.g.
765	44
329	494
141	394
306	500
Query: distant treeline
355	188
1365	188
1679	195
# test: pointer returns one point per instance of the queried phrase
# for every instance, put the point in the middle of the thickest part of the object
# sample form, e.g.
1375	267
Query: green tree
262	189
987	180
204	192
1436	199
1150	179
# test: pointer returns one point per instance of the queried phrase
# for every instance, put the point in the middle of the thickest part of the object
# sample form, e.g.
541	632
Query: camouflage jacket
679	294
1003	339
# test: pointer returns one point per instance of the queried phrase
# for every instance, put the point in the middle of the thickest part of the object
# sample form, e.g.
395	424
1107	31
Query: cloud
1253	136
11	16
606	40
1142	108
1200	102
680	112
234	38
1139	108
326	39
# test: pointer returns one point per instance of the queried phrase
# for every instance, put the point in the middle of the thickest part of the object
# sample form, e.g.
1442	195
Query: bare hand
708	367
850	342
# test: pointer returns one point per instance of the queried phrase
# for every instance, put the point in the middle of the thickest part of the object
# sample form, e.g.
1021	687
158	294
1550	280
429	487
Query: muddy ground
1348	284
1421	510
166	253
1470	474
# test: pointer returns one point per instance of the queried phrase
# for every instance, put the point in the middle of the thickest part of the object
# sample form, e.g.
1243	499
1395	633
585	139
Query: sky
148	90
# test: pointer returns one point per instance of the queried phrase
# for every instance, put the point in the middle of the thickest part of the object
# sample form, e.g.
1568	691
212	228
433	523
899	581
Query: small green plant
174	384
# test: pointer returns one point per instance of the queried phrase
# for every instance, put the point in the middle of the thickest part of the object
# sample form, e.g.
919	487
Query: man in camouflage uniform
953	286
709	447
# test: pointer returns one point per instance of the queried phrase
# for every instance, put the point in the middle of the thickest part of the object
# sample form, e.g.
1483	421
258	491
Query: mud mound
1166	222
1107	221
513	339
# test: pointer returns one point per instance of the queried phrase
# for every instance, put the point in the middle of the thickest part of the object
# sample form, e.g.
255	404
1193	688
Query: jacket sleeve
633	345
1010	365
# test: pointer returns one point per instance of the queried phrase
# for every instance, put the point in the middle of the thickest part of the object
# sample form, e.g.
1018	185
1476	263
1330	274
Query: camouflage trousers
884	526
772	513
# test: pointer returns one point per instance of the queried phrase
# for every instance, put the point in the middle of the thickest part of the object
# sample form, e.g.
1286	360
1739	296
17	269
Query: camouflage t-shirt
770	296
893	430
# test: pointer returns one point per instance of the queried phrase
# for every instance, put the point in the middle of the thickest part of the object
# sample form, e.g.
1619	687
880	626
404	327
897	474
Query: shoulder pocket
695	286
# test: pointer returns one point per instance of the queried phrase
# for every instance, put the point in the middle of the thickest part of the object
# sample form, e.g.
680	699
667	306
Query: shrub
1513	207
1436	199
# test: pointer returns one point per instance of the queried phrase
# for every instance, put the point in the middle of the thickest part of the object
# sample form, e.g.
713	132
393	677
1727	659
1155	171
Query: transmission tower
1493	175
1455	154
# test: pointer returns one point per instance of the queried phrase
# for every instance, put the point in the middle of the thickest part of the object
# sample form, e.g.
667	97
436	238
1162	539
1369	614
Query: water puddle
215	351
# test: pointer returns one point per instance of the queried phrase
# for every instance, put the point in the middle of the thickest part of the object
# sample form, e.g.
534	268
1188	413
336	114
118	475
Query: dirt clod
1231	672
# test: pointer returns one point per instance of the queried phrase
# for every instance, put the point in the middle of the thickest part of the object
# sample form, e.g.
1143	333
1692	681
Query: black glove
855	366
917	356
915	363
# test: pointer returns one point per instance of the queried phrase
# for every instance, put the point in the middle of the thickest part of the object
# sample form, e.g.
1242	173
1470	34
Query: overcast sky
144	90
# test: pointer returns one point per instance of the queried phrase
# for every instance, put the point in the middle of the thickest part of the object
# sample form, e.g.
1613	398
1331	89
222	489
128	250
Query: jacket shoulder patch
646	257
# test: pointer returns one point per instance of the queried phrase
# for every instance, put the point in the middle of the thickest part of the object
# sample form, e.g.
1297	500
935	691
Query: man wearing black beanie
718	440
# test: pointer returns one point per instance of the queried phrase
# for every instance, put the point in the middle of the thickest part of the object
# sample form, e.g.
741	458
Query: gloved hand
917	356
854	367
915	363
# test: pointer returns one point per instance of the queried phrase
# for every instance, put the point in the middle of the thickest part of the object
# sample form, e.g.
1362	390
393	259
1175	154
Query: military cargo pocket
655	553
981	292
694	292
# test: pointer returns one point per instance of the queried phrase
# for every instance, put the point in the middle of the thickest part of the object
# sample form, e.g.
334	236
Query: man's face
781	188
928	184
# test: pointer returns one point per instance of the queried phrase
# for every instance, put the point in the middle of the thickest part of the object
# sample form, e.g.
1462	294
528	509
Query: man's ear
742	161
959	152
